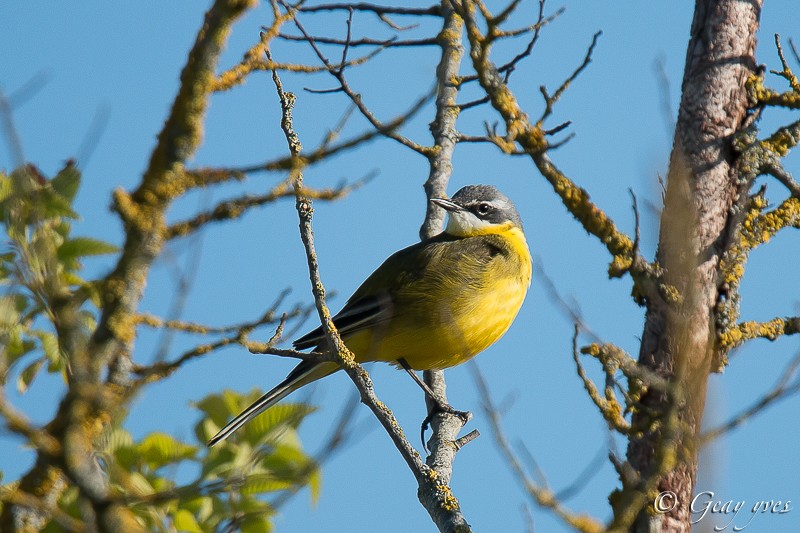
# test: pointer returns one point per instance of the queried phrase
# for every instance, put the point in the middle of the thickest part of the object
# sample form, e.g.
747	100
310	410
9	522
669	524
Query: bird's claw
438	408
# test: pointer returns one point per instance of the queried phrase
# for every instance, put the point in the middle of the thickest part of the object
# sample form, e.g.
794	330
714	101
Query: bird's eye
483	209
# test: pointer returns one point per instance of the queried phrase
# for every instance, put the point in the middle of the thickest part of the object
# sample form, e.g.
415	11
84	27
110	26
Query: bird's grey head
476	207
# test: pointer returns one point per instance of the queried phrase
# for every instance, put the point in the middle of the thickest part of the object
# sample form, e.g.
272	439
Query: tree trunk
679	339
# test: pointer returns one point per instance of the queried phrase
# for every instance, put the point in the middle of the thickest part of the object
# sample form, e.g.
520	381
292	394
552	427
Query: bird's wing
373	304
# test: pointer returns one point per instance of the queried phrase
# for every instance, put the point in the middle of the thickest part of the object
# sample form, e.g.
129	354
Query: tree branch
89	402
338	73
443	507
539	494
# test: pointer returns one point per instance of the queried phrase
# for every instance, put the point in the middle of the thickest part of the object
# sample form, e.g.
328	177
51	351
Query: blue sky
123	61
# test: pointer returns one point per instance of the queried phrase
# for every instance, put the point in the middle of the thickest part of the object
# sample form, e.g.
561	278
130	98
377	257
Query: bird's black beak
448	205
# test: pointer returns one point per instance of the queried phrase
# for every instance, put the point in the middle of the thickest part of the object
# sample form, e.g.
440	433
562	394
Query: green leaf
256	524
70	278
218	462
213	406
221	407
9	310
117	439
205	429
56	206
127	457
185	521
273	422
159	449
6	187
138	485
67	181
52	352
261	483
17	345
28	374
290	463
201	507
83	246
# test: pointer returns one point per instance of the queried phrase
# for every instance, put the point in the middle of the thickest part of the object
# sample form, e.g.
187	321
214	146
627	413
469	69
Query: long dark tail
304	373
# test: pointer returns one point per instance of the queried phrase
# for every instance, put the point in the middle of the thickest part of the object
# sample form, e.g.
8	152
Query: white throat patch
464	223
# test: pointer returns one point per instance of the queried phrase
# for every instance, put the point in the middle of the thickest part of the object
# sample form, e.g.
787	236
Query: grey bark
702	186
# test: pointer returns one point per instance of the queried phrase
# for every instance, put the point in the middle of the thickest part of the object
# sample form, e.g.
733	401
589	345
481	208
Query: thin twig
550	101
542	496
783	389
234	208
338	73
433	10
442	505
392	42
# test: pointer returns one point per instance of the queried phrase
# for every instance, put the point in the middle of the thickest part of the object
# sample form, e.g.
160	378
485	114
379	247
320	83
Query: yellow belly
447	331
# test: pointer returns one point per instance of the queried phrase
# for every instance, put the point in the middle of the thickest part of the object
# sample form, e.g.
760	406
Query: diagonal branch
532	138
356	98
541	495
234	208
783	389
433	10
439	500
82	414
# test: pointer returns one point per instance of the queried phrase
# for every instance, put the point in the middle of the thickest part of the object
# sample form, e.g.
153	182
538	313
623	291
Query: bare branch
509	67
10	132
441	504
433	10
609	407
760	95
16	422
91	402
582	479
786	72
341	434
550	101
393	42
234	208
356	98
667	114
29	501
163	369
532	139
772	330
541	495
781	174
153	321
537	28
783	389
755	228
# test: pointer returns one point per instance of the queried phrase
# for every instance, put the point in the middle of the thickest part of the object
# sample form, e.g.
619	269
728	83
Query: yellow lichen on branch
770	330
531	137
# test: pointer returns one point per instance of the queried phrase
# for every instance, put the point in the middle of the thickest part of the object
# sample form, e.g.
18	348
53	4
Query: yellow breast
451	323
486	317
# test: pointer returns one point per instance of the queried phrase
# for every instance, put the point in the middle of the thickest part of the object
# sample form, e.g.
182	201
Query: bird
432	305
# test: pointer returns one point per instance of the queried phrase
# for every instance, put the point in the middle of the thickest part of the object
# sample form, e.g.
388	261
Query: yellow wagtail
432	305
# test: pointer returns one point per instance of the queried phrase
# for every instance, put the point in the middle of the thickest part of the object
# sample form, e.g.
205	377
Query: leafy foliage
227	484
40	266
170	484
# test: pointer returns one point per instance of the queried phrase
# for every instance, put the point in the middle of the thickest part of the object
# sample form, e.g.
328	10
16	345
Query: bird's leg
424	386
439	406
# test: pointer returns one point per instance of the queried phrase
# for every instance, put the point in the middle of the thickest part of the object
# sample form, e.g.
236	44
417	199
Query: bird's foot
440	407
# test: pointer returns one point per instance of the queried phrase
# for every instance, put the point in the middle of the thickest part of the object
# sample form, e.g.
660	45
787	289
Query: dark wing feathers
371	303
355	315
